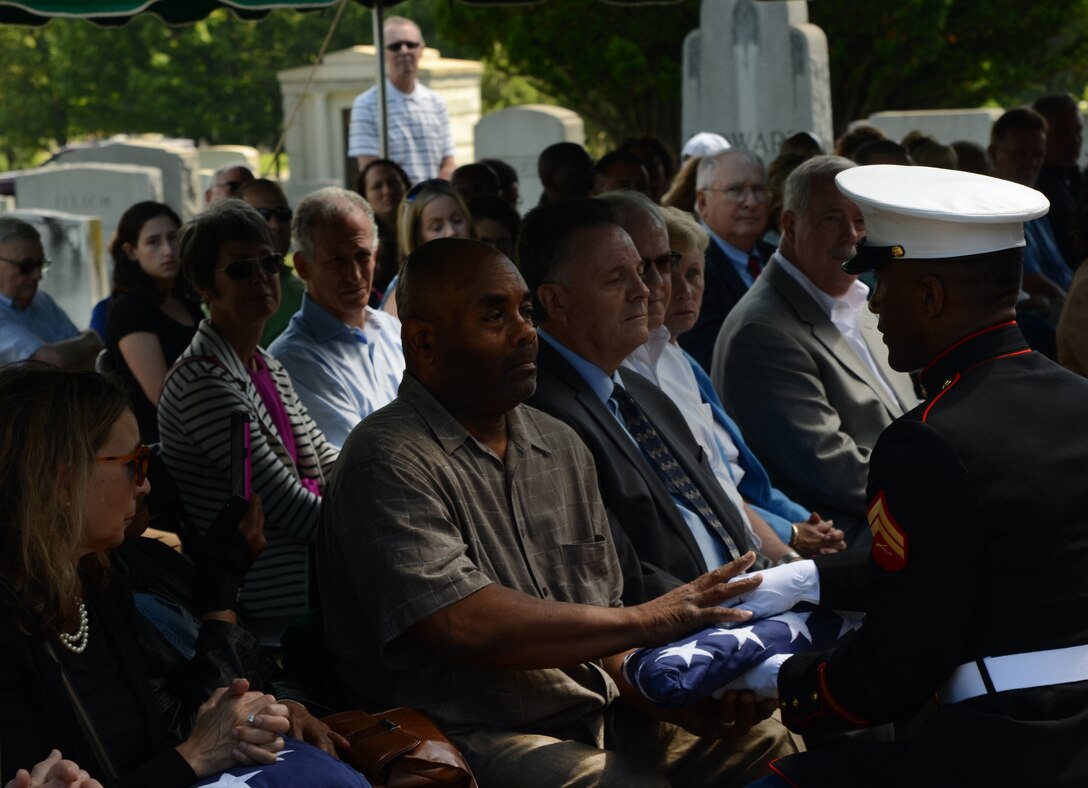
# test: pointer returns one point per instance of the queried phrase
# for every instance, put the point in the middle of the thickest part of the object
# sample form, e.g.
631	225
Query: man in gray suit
799	362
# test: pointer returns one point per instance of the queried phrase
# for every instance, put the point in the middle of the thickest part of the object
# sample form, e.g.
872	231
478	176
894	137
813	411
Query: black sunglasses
434	185
242	270
665	264
282	215
396	46
27	267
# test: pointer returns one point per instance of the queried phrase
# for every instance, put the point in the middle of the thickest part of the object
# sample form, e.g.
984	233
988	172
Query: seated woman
793	530
72	471
227	253
382	183
152	315
431	209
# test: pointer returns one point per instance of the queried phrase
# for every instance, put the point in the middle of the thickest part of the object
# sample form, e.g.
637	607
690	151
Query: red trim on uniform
932	402
782	774
834	705
967	338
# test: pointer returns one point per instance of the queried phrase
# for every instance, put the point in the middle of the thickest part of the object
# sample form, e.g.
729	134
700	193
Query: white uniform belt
1017	671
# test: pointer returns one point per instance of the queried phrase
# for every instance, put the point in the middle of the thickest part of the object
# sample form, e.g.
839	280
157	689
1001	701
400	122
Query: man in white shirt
799	362
344	358
417	122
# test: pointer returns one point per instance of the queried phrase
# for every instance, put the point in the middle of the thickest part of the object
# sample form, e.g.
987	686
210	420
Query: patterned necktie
754	266
668	469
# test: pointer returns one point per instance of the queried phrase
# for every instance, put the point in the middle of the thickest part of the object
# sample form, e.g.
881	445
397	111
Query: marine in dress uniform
978	505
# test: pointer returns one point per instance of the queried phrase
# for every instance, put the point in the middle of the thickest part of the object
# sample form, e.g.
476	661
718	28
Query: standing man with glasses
417	121
732	201
32	326
344	357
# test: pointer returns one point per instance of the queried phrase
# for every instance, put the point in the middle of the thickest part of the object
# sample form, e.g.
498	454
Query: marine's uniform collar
987	344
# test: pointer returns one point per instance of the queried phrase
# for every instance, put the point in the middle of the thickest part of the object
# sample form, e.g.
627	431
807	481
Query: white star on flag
685	652
279	756
230	779
742	635
850	623
797	624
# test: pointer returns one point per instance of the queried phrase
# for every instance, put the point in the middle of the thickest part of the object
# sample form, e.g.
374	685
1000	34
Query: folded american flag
298	765
695	667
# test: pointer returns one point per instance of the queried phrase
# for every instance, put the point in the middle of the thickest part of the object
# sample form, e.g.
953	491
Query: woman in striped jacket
229	256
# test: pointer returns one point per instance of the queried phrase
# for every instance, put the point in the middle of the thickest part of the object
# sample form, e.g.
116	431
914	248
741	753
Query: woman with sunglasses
228	254
72	472
431	209
382	183
152	313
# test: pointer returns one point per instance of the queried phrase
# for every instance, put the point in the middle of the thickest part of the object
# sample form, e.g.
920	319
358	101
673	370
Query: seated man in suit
799	362
483	585
732	201
674	521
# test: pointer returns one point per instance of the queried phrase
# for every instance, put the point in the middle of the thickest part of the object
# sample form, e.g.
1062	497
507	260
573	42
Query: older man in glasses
731	200
417	121
344	357
32	326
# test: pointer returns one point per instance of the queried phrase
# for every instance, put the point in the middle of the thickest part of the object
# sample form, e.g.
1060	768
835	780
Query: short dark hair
1051	105
360	180
543	243
1017	119
205	234
507	175
867	153
261	183
987	281
488	206
613	157
423	273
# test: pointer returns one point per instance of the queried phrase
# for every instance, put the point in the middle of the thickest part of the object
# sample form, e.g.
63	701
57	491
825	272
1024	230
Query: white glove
762	679
782	588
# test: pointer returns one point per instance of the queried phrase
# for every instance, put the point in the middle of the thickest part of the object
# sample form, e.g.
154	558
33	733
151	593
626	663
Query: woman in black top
72	471
153	316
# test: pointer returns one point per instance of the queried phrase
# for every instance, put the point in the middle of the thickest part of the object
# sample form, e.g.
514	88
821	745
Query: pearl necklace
77	643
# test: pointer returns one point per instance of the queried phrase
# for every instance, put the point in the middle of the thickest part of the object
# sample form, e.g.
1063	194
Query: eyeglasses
434	185
665	264
140	460
738	195
242	270
283	215
396	46
26	267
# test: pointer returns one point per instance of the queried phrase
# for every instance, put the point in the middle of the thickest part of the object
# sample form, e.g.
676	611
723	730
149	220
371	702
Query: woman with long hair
152	315
72	472
431	209
383	183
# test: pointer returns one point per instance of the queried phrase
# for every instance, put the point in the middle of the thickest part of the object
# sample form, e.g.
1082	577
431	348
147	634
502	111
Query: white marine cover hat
925	213
705	143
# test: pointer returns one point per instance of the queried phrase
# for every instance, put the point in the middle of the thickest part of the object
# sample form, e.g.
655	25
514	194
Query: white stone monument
77	279
317	139
517	135
756	73
102	190
177	159
212	157
944	125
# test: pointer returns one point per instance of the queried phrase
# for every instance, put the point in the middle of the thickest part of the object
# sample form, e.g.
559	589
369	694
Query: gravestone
102	190
176	159
212	157
517	135
756	73
944	125
77	279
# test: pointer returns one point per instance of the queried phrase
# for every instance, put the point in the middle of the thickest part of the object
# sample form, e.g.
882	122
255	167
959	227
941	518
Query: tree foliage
619	67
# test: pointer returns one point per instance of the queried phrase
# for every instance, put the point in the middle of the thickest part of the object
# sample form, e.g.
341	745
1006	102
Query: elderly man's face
403	49
652	244
602	298
227	183
736	204
272	206
14	284
340	273
825	236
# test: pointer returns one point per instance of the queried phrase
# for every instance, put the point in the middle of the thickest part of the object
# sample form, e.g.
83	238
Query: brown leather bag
401	748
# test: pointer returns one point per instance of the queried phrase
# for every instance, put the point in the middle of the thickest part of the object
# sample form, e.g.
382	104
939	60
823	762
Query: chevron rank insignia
889	540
